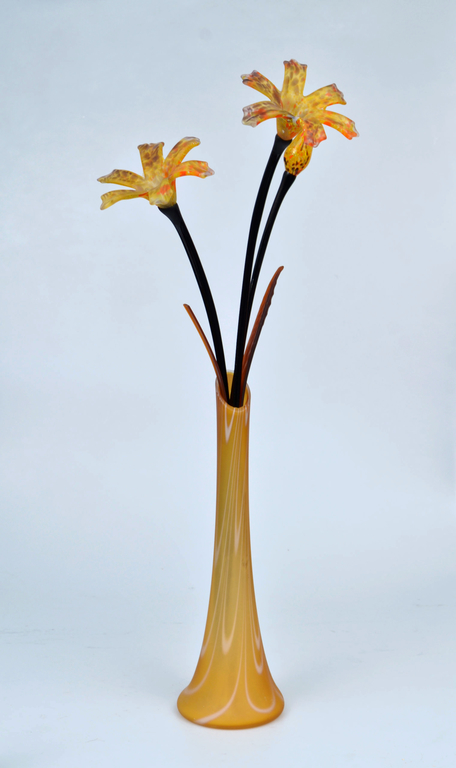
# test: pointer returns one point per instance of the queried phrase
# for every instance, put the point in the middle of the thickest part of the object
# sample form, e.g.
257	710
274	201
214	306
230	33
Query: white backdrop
108	417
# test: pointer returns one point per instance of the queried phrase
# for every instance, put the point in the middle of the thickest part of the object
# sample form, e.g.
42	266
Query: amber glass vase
232	686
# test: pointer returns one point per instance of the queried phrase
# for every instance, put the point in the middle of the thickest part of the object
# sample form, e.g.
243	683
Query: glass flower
158	185
299	118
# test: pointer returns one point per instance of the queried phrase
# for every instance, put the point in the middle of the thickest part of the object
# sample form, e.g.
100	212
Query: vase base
199	714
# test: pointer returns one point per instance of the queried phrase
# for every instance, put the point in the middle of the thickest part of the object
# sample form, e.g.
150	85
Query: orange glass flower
158	185
299	118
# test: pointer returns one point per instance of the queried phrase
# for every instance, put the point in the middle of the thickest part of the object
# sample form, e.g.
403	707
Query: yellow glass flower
300	118
158	184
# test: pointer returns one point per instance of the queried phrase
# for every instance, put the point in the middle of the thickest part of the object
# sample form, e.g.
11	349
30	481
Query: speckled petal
151	159
324	97
193	168
179	151
255	114
340	123
124	178
297	155
165	196
312	132
294	79
288	127
261	83
109	198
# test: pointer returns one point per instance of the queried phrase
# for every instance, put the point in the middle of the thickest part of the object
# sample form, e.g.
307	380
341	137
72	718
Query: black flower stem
174	215
278	148
285	184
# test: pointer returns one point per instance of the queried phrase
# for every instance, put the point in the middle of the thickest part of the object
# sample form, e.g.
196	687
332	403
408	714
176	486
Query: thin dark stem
278	148
174	215
285	184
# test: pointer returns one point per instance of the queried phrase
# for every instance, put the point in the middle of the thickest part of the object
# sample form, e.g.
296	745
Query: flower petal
311	130
325	97
110	198
255	114
297	155
151	159
294	79
165	195
193	168
260	83
179	151
340	123
125	178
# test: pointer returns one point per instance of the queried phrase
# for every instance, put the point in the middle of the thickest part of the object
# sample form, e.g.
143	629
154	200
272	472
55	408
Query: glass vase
232	686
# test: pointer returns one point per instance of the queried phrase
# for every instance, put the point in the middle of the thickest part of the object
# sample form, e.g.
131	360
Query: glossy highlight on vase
232	686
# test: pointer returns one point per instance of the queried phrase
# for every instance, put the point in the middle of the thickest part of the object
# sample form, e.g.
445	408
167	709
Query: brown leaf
256	330
209	351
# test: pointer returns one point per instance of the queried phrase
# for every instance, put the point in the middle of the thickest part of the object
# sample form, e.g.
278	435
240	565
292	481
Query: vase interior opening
230	375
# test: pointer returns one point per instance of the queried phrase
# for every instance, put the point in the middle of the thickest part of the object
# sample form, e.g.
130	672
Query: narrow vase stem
174	215
278	148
